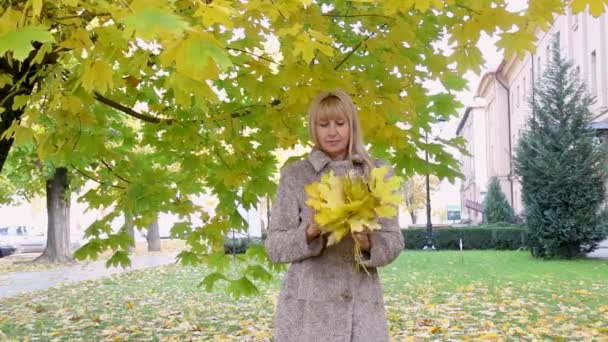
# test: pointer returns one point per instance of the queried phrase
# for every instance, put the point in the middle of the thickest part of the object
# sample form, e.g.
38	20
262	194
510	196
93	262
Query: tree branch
114	173
155	120
357	46
356	16
253	54
95	180
468	8
87	15
129	111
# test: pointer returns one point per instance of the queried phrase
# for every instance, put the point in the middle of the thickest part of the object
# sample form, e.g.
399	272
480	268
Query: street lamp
429	224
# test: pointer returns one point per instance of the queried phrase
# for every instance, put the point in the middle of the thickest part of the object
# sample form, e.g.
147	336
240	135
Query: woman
324	297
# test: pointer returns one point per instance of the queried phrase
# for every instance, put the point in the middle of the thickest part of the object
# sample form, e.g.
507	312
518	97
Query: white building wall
584	40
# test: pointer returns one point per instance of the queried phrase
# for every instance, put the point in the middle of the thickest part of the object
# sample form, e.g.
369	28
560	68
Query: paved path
601	252
13	284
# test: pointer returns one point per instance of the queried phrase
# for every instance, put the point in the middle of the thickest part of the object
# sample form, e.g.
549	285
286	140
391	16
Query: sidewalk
13	284
601	252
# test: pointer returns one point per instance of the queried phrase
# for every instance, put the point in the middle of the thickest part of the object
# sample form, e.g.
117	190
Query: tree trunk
58	247
413	216
130	231
153	237
28	72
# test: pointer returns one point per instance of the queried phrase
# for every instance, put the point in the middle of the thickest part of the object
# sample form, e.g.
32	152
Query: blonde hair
330	105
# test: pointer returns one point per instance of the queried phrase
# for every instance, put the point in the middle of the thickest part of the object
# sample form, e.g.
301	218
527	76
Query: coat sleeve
286	241
386	243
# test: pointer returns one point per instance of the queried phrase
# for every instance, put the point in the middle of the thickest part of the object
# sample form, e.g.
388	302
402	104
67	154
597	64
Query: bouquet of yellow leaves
350	204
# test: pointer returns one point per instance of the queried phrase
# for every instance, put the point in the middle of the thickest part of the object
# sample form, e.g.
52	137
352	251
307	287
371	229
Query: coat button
346	295
345	256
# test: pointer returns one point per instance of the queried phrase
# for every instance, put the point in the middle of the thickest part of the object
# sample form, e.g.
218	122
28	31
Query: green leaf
20	101
150	23
242	287
5	79
188	258
258	272
454	81
89	250
180	230
217	261
211	279
19	41
119	258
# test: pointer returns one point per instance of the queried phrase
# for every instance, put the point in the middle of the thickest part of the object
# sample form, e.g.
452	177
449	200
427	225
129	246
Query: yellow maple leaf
350	204
97	76
386	190
596	7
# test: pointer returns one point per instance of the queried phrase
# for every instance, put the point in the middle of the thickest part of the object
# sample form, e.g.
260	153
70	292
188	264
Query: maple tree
159	101
414	194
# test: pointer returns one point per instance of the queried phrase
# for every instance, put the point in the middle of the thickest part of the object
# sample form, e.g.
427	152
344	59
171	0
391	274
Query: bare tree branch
95	180
357	46
114	173
254	55
129	111
356	16
468	8
151	119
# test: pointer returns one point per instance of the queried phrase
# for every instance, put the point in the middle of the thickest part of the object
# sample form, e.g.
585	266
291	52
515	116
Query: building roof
464	118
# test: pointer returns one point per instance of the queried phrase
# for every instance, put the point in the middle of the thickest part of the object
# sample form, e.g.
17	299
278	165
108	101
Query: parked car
22	239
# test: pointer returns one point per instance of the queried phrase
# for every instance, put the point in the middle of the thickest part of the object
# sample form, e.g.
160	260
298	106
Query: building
506	93
474	166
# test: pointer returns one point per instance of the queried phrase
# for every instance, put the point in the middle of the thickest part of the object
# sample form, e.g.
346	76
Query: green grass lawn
478	295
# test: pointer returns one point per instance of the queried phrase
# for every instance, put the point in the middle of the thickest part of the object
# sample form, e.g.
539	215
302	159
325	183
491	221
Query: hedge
505	237
239	245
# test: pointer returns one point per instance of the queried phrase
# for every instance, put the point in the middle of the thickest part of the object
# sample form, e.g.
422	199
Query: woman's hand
312	232
364	241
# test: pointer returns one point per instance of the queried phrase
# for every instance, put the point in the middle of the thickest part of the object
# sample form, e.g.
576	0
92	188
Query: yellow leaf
488	336
97	76
292	31
199	56
387	191
79	39
435	330
337	236
304	46
349	204
386	211
423	5
596	7
217	12
36	7
519	43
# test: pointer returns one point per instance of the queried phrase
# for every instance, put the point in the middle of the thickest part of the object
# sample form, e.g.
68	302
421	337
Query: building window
524	94
548	53
575	23
593	74
517	103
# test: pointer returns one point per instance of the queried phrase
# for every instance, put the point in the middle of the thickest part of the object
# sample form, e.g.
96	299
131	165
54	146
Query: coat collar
319	159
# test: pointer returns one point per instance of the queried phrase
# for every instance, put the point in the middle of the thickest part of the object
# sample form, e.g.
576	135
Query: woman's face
333	134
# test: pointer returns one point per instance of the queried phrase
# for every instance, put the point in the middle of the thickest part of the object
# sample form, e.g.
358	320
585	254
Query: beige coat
323	296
